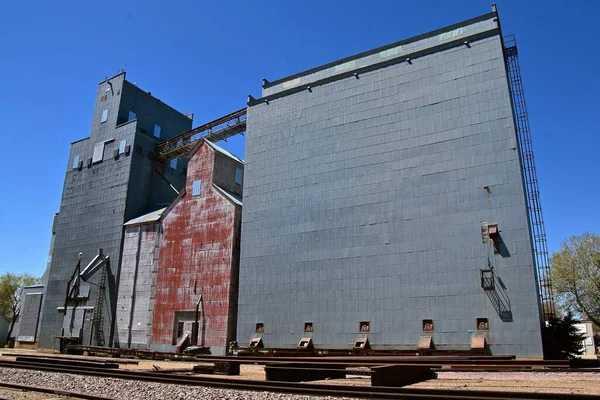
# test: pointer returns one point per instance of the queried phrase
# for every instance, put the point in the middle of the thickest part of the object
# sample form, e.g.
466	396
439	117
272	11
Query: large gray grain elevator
385	200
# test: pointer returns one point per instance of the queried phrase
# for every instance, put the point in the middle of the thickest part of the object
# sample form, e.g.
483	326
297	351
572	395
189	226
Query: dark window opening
308	327
179	329
365	326
427	325
260	327
483	324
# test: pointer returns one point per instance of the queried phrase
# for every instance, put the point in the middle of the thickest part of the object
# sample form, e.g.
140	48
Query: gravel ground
9	394
536	382
132	390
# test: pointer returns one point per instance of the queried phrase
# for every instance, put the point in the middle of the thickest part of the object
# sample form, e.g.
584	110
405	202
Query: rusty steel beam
215	131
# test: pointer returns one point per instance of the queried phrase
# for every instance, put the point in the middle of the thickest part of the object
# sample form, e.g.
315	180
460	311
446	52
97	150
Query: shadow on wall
502	249
496	292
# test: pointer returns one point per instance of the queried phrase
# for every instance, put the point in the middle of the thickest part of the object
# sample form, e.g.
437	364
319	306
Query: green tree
575	270
11	288
560	339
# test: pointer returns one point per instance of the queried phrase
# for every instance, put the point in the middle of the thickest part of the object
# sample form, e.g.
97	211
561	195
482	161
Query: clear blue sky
206	56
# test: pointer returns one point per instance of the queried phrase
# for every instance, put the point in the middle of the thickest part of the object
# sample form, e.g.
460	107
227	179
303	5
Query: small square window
427	325
260	327
365	326
196	188
173	163
76	162
483	324
104	117
156	131
238	176
308	327
122	145
131	116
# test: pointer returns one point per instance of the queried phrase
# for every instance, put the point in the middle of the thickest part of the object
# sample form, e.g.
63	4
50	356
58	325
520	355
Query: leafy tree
575	270
11	288
560	339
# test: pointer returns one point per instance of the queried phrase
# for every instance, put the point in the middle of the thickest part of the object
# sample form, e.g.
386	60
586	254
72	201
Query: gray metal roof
223	151
149	218
235	198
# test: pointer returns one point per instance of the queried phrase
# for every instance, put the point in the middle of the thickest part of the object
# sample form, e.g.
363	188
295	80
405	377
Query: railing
215	131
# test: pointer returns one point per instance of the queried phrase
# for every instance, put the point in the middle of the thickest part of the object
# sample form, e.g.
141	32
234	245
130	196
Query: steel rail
60	392
383	360
476	361
300	388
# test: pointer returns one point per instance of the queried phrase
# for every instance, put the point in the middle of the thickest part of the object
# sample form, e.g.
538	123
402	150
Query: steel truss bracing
215	131
534	207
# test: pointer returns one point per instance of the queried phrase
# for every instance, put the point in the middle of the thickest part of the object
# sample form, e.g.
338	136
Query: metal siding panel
371	189
30	313
197	247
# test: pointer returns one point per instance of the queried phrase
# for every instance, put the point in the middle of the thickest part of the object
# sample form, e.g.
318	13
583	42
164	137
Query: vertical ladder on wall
98	320
534	207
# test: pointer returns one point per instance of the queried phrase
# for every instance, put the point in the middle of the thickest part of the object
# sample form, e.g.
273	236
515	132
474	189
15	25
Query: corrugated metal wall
135	302
364	197
196	257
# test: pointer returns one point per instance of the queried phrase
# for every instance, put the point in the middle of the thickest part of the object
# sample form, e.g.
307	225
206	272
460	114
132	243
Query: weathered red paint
199	245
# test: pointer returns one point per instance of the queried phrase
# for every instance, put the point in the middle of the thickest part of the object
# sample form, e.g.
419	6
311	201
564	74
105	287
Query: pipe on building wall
203	320
135	274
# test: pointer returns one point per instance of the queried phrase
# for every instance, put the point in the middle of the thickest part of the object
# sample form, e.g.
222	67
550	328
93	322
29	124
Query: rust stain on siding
197	246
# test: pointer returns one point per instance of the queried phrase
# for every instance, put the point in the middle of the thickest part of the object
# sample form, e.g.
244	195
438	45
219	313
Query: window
174	163
98	153
308	327
427	325
364	326
238	176
483	324
260	327
104	117
196	186
131	116
122	145
156	131
107	89
76	162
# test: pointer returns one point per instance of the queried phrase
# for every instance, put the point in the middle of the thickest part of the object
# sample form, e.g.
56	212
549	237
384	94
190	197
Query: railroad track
293	388
462	363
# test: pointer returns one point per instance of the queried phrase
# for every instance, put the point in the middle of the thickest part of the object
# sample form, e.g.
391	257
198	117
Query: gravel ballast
135	390
555	382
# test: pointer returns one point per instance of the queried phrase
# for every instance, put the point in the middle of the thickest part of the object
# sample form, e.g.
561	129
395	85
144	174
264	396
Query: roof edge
215	148
395	60
172	204
483	17
123	72
227	195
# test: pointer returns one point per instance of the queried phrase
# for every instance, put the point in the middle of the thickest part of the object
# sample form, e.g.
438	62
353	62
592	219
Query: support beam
215	131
